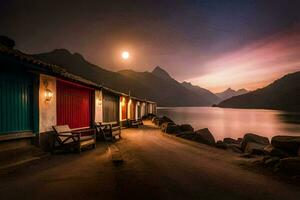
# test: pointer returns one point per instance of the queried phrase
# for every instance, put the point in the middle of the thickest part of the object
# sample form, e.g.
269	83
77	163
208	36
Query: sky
213	44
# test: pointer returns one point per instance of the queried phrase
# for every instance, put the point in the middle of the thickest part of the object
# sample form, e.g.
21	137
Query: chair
67	139
109	131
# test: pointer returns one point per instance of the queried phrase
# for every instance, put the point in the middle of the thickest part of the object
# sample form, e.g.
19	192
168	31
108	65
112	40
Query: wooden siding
132	110
16	101
110	108
139	110
73	105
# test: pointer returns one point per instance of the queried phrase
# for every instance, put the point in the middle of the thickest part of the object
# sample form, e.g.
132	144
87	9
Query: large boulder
271	161
290	165
164	126
205	136
234	148
154	119
172	129
272	151
221	145
253	138
230	141
163	120
254	148
240	140
290	144
187	135
186	127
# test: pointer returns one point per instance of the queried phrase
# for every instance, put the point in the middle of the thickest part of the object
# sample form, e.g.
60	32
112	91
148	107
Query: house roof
56	70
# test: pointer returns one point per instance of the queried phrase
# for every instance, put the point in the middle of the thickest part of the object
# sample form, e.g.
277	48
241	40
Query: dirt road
155	167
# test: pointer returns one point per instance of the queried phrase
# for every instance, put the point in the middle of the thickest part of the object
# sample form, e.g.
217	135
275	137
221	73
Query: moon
125	55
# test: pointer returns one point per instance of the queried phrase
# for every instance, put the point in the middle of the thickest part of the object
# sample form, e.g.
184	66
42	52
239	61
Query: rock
172	128
271	161
240	140
186	127
205	136
153	119
234	148
250	137
163	127
230	141
221	145
266	157
289	144
254	148
290	165
272	151
165	119
187	135
246	155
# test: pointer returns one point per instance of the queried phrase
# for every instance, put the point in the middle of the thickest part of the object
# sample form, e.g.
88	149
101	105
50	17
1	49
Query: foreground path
155	167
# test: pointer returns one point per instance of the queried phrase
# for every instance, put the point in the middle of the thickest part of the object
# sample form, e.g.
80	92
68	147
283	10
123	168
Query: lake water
226	122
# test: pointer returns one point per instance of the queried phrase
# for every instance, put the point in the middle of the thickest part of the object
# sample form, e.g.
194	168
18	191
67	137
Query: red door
73	105
124	104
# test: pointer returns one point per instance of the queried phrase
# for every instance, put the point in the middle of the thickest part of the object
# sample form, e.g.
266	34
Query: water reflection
291	118
236	122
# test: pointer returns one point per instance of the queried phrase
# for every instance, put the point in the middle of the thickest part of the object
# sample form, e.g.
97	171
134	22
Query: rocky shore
281	154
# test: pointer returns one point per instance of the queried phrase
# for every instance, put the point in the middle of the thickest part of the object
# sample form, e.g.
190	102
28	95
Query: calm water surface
226	122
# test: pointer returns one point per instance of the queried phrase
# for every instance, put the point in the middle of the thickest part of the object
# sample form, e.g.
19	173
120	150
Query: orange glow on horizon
254	66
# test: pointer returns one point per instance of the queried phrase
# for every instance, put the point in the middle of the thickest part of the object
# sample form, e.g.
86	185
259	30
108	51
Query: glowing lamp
123	102
99	101
48	95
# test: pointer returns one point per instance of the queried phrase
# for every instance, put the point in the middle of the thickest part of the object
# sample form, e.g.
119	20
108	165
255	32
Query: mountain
162	74
157	85
230	93
204	93
166	91
282	94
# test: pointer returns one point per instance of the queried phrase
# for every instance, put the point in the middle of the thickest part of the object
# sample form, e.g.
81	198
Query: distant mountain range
201	92
230	93
157	85
282	94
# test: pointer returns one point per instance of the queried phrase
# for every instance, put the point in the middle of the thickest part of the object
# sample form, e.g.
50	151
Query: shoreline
278	156
236	122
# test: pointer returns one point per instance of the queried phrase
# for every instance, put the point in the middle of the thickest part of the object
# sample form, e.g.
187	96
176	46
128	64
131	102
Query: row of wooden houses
34	96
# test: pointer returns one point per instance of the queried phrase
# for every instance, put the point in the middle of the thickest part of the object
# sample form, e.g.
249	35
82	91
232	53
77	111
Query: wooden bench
135	123
68	139
109	130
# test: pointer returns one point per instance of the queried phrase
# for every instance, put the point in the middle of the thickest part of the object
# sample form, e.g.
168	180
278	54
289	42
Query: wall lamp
48	95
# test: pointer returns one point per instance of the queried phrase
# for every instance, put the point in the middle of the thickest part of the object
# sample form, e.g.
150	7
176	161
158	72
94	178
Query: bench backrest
105	126
63	130
98	126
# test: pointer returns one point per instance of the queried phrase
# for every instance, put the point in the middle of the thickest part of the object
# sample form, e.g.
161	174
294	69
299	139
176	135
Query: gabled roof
55	69
50	68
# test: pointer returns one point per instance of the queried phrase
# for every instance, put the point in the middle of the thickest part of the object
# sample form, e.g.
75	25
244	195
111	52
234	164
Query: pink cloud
254	65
